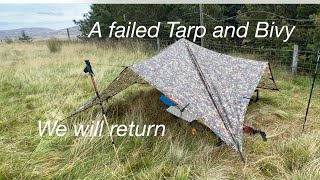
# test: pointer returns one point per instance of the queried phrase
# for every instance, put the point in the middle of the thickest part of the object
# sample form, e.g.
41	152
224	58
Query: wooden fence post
295	59
158	44
68	34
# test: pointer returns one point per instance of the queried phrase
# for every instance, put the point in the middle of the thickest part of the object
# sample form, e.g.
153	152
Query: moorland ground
37	84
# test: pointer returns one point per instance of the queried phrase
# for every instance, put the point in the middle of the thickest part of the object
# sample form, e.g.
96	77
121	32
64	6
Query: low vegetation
24	37
54	45
38	85
8	40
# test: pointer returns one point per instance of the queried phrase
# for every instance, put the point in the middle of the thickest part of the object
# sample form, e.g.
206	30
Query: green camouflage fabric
267	81
126	78
231	81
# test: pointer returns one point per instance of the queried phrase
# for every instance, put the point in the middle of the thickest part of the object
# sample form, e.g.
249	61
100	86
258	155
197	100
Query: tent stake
311	91
88	69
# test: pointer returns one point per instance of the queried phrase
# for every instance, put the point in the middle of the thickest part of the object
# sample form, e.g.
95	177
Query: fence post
68	34
158	44
295	59
201	23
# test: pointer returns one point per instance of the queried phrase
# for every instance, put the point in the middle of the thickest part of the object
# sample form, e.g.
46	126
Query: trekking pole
310	96
88	69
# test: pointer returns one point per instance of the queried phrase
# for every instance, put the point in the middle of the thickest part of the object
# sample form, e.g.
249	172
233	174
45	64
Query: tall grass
35	82
54	45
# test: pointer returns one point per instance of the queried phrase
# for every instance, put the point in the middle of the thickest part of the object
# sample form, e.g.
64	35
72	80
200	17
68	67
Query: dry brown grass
34	83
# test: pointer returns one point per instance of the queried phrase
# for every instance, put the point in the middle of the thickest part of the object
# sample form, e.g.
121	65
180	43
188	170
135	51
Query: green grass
34	84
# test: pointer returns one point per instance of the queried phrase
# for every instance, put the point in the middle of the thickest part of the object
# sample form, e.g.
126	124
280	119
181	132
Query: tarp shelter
213	87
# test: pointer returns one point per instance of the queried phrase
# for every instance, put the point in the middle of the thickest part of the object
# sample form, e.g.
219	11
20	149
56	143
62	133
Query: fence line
295	60
290	56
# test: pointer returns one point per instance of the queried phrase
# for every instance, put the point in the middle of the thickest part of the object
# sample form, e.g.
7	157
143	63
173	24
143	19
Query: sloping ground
36	83
40	33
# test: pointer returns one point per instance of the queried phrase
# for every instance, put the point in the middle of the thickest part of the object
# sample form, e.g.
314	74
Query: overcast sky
54	16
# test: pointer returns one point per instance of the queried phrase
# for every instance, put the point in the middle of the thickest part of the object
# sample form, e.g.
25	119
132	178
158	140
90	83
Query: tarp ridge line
234	111
218	94
213	101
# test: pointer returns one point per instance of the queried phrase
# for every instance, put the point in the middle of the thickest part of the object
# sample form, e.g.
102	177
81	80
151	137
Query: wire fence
278	53
276	57
306	60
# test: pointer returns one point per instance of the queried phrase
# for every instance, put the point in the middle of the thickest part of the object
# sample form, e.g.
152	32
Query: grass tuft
54	45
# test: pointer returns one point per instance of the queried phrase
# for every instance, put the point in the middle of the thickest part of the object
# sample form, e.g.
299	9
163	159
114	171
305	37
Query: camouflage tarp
126	78
213	87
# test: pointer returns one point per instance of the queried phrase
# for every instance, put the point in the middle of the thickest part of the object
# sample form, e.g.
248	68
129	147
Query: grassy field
35	84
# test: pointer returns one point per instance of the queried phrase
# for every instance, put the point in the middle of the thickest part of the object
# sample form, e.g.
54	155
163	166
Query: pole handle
88	68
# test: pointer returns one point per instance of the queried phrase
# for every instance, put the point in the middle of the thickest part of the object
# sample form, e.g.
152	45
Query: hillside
39	85
40	33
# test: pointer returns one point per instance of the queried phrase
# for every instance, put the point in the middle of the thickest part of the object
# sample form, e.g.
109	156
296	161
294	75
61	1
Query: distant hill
40	33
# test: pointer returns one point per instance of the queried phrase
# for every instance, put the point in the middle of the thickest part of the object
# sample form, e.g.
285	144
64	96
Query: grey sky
54	16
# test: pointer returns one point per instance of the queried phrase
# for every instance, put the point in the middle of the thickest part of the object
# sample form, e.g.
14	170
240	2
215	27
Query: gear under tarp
213	87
